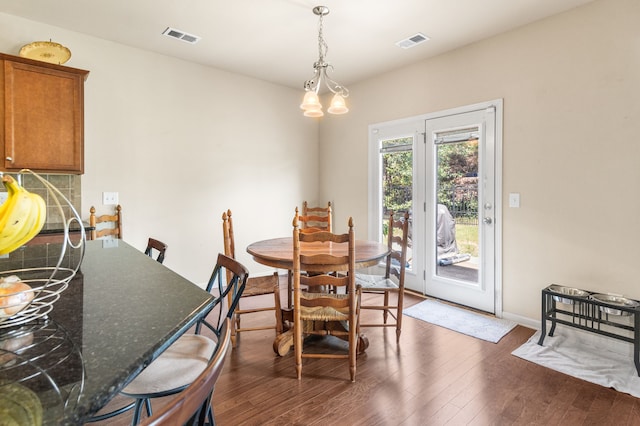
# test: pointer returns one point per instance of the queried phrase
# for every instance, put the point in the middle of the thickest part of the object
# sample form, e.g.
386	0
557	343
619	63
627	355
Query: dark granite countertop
120	311
58	228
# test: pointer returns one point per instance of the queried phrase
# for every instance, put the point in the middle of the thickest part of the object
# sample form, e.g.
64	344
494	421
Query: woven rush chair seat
375	281
323	313
260	285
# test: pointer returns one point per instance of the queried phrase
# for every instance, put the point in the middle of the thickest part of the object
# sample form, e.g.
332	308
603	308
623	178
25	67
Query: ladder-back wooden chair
315	218
315	311
393	279
312	219
256	286
110	224
156	247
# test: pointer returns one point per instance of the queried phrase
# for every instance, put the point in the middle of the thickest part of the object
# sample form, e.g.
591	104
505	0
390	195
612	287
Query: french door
460	216
444	169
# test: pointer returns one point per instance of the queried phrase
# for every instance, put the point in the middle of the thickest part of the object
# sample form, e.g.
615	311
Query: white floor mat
596	359
461	320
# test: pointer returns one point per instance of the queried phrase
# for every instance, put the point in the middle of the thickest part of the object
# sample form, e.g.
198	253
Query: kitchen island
120	311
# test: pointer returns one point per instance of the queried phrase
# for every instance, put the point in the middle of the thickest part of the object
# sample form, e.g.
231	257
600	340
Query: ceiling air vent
181	35
412	41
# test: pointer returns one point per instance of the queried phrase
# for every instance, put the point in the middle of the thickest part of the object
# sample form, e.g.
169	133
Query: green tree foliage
455	162
397	181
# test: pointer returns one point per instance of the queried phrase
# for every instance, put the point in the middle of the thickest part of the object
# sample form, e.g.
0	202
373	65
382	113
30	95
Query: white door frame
417	124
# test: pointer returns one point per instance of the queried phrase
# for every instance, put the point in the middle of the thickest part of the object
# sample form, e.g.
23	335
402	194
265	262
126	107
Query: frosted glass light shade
310	101
338	105
313	113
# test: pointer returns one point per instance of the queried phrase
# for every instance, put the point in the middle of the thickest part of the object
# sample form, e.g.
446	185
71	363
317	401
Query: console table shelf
621	322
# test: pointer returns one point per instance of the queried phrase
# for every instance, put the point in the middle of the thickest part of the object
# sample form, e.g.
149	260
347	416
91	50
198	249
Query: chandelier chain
323	47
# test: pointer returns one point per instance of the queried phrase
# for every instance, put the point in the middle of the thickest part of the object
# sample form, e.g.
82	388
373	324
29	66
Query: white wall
181	143
570	85
571	90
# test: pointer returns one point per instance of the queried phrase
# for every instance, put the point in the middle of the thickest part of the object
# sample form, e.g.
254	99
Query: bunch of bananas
22	216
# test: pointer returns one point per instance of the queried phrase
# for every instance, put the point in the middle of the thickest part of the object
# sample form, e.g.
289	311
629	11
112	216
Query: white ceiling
277	40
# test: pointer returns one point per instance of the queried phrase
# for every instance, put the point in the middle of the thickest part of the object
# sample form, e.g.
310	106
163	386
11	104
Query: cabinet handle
9	159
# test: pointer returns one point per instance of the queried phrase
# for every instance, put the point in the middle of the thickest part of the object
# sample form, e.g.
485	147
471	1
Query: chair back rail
115	220
314	219
158	246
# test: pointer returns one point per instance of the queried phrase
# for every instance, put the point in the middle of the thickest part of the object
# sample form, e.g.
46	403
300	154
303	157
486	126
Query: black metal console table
582	309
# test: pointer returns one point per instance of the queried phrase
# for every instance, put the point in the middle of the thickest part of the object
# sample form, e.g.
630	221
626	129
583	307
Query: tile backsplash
68	185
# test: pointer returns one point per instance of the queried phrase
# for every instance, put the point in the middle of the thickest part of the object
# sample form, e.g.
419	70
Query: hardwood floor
433	377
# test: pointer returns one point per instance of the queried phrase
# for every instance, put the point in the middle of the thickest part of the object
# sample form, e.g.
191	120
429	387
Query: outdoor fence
462	202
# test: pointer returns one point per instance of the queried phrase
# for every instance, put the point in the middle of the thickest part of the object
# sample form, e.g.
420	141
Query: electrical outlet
109	198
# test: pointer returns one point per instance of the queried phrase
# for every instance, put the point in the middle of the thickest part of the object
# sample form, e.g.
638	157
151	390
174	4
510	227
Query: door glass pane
397	185
457	227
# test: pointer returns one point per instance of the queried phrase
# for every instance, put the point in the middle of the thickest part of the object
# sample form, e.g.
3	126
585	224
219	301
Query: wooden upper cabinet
43	116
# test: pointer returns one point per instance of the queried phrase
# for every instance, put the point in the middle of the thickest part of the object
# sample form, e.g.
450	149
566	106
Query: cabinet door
43	118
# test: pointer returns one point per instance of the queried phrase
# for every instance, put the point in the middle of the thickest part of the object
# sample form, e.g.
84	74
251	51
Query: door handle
487	220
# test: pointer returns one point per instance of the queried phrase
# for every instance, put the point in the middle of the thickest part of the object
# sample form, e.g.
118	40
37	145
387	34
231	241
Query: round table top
278	253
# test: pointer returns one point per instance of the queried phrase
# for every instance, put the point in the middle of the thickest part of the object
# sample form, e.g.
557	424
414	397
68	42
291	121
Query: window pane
457	224
397	183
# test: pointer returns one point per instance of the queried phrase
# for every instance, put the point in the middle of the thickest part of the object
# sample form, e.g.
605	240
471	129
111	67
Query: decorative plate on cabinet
46	51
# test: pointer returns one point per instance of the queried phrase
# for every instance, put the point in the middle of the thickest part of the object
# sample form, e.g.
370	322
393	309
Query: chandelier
311	103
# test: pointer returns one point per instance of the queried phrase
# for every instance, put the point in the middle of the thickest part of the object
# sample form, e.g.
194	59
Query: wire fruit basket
46	282
42	371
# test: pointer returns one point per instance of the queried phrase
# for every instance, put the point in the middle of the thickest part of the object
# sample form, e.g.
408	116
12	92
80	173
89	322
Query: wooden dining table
278	253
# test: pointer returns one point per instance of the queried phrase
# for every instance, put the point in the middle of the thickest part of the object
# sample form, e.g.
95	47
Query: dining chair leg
147	404
399	315
385	312
278	306
137	412
353	347
289	288
297	345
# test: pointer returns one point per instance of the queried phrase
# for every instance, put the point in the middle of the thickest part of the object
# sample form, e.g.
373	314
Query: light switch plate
109	198
514	199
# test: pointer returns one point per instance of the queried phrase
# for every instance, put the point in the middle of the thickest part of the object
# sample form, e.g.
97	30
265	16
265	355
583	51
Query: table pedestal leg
283	342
